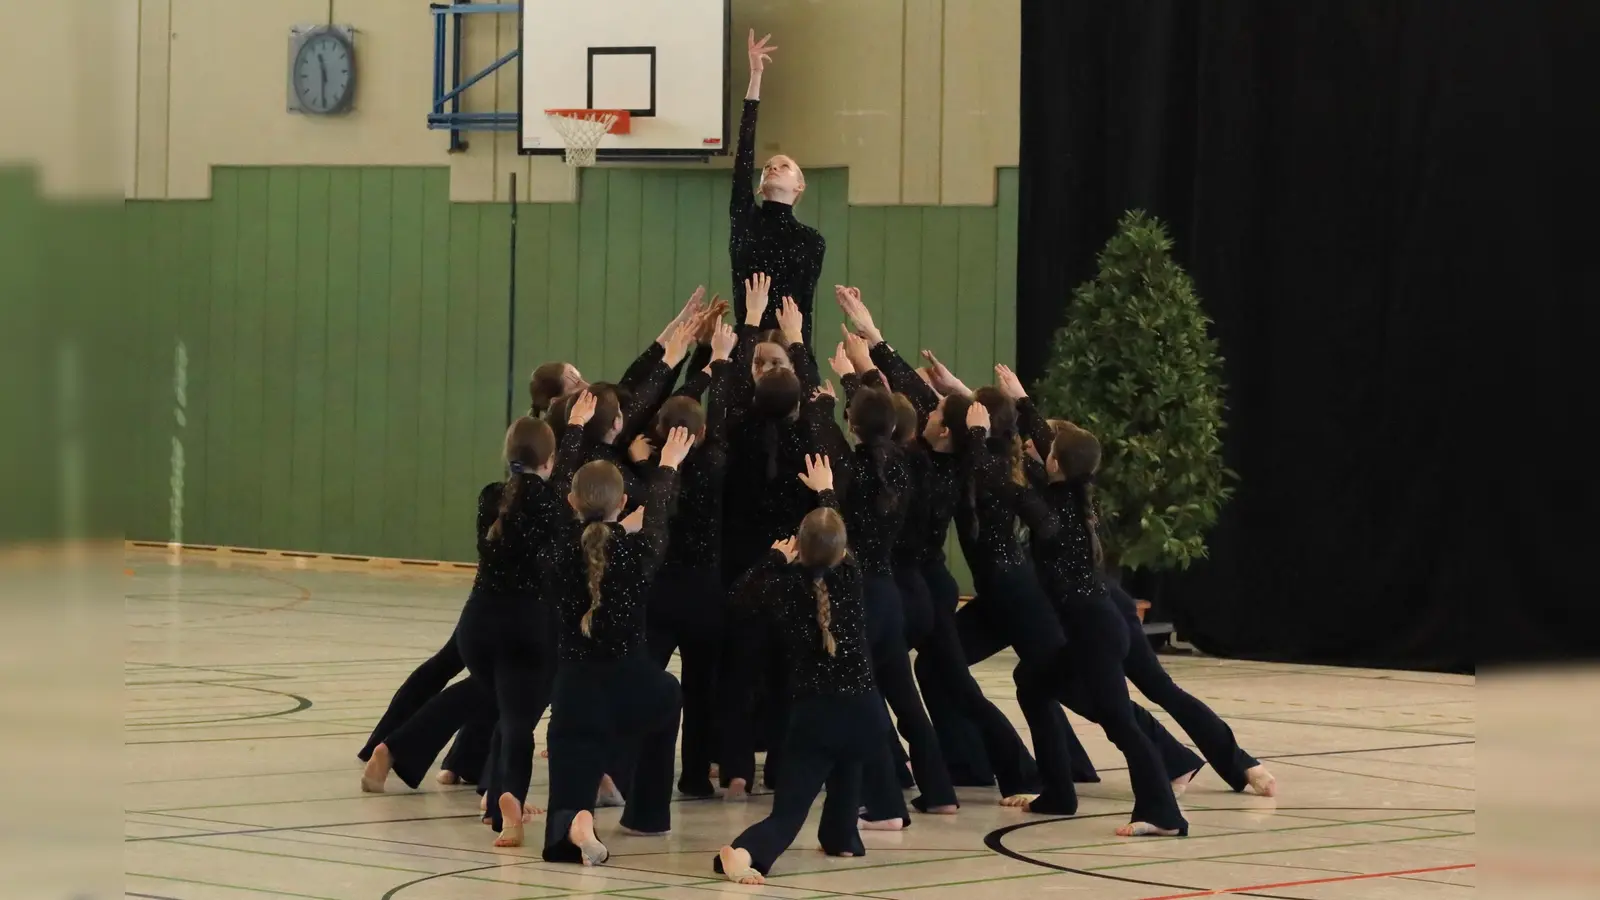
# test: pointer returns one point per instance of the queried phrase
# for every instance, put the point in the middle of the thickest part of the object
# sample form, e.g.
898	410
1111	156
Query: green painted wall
344	331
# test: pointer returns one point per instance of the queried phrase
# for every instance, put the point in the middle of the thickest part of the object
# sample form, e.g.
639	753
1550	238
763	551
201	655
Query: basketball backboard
664	61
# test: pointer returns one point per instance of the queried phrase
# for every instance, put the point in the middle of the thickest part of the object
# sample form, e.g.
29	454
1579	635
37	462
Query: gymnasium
353	228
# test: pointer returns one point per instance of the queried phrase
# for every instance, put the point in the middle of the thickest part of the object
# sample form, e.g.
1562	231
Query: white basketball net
582	133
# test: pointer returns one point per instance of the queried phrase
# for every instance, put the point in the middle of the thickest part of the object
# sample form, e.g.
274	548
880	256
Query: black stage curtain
1351	186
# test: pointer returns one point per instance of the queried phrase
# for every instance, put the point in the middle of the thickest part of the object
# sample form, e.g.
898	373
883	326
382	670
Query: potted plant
1134	364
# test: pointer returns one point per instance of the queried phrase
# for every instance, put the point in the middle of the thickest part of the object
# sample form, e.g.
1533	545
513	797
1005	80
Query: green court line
320	859
228	740
231	887
237	777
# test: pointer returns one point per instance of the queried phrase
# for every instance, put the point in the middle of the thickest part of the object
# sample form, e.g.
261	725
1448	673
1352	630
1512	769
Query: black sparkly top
1060	538
788	593
988	516
763	497
939	479
618	627
768	238
508	565
695	529
876	484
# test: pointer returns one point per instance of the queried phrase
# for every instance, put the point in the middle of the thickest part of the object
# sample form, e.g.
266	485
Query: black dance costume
686	598
763	499
503	632
425	712
607	689
836	717
877	488
768	238
1062	540
947	683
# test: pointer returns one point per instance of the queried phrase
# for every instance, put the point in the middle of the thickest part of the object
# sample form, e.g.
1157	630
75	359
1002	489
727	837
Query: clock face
324	74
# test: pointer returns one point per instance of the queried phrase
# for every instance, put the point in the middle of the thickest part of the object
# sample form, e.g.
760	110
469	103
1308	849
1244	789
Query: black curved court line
995	841
147	896
301	705
391	892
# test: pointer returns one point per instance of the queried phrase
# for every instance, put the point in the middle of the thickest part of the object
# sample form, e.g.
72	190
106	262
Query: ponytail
595	537
1086	508
881	451
1019	475
510	494
824	615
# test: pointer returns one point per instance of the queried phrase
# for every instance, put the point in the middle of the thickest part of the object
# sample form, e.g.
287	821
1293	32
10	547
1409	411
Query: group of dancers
794	568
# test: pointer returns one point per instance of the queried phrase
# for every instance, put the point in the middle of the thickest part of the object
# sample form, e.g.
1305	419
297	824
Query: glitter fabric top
507	564
618	626
767	238
789	593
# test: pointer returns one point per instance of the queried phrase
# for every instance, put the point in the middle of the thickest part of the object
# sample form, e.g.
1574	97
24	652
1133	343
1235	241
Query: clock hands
322	63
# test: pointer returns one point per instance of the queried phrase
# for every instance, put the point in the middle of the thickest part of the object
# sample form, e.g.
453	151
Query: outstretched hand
760	52
690	311
640	449
582	409
632	522
856	312
818	475
677	345
978	416
840	361
944	381
723	342
789	547
825	391
1008	382
791	322
679	440
756	288
855	347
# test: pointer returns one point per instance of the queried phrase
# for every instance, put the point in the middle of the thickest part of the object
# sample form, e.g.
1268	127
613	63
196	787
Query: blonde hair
596	492
823	542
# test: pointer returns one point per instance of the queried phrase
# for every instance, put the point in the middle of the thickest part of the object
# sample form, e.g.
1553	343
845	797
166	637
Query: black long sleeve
767	238
696	525
905	380
790	596
617	628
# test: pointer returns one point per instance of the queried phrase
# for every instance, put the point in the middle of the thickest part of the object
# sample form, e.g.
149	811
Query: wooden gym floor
250	686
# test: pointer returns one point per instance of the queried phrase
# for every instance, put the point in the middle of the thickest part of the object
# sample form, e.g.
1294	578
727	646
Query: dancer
813	587
767	447
685	608
607	689
767	237
941	669
1141	665
876	489
1067	552
422	715
502	636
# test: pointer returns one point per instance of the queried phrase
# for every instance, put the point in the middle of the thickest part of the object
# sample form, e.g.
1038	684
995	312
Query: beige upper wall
917	97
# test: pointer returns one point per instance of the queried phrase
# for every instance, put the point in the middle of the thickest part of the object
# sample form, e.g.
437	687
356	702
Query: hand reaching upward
760	54
679	440
791	322
1008	382
818	475
756	288
690	310
723	342
840	361
582	410
789	547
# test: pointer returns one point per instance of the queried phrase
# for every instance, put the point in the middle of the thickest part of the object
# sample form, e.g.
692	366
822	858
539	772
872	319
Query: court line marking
1334	880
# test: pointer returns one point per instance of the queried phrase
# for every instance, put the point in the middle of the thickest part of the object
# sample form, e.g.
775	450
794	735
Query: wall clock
322	69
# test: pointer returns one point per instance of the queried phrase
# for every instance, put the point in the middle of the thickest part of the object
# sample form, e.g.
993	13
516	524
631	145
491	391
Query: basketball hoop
582	129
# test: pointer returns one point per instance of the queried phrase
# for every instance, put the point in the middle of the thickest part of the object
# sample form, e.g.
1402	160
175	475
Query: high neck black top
767	238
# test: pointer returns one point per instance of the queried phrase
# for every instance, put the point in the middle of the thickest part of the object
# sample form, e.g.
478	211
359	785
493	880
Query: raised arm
1032	425
993	476
651	534
902	378
722	344
652	391
744	160
826	437
570	453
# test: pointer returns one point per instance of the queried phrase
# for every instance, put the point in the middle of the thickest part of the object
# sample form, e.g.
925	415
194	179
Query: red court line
1287	884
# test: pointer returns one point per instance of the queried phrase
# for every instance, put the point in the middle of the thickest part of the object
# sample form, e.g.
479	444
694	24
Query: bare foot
736	792
715	771
377	770
446	776
545	753
529	811
1181	783
608	795
1145	829
885	825
1261	781
1018	801
736	866
510	822
581	834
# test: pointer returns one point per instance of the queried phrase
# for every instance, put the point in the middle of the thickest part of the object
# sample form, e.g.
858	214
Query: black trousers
954	698
597	706
982	636
750	670
1212	735
1093	661
830	739
420	686
685	613
891	664
502	641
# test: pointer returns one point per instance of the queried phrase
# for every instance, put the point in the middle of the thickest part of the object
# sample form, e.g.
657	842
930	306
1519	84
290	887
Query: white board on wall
665	61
